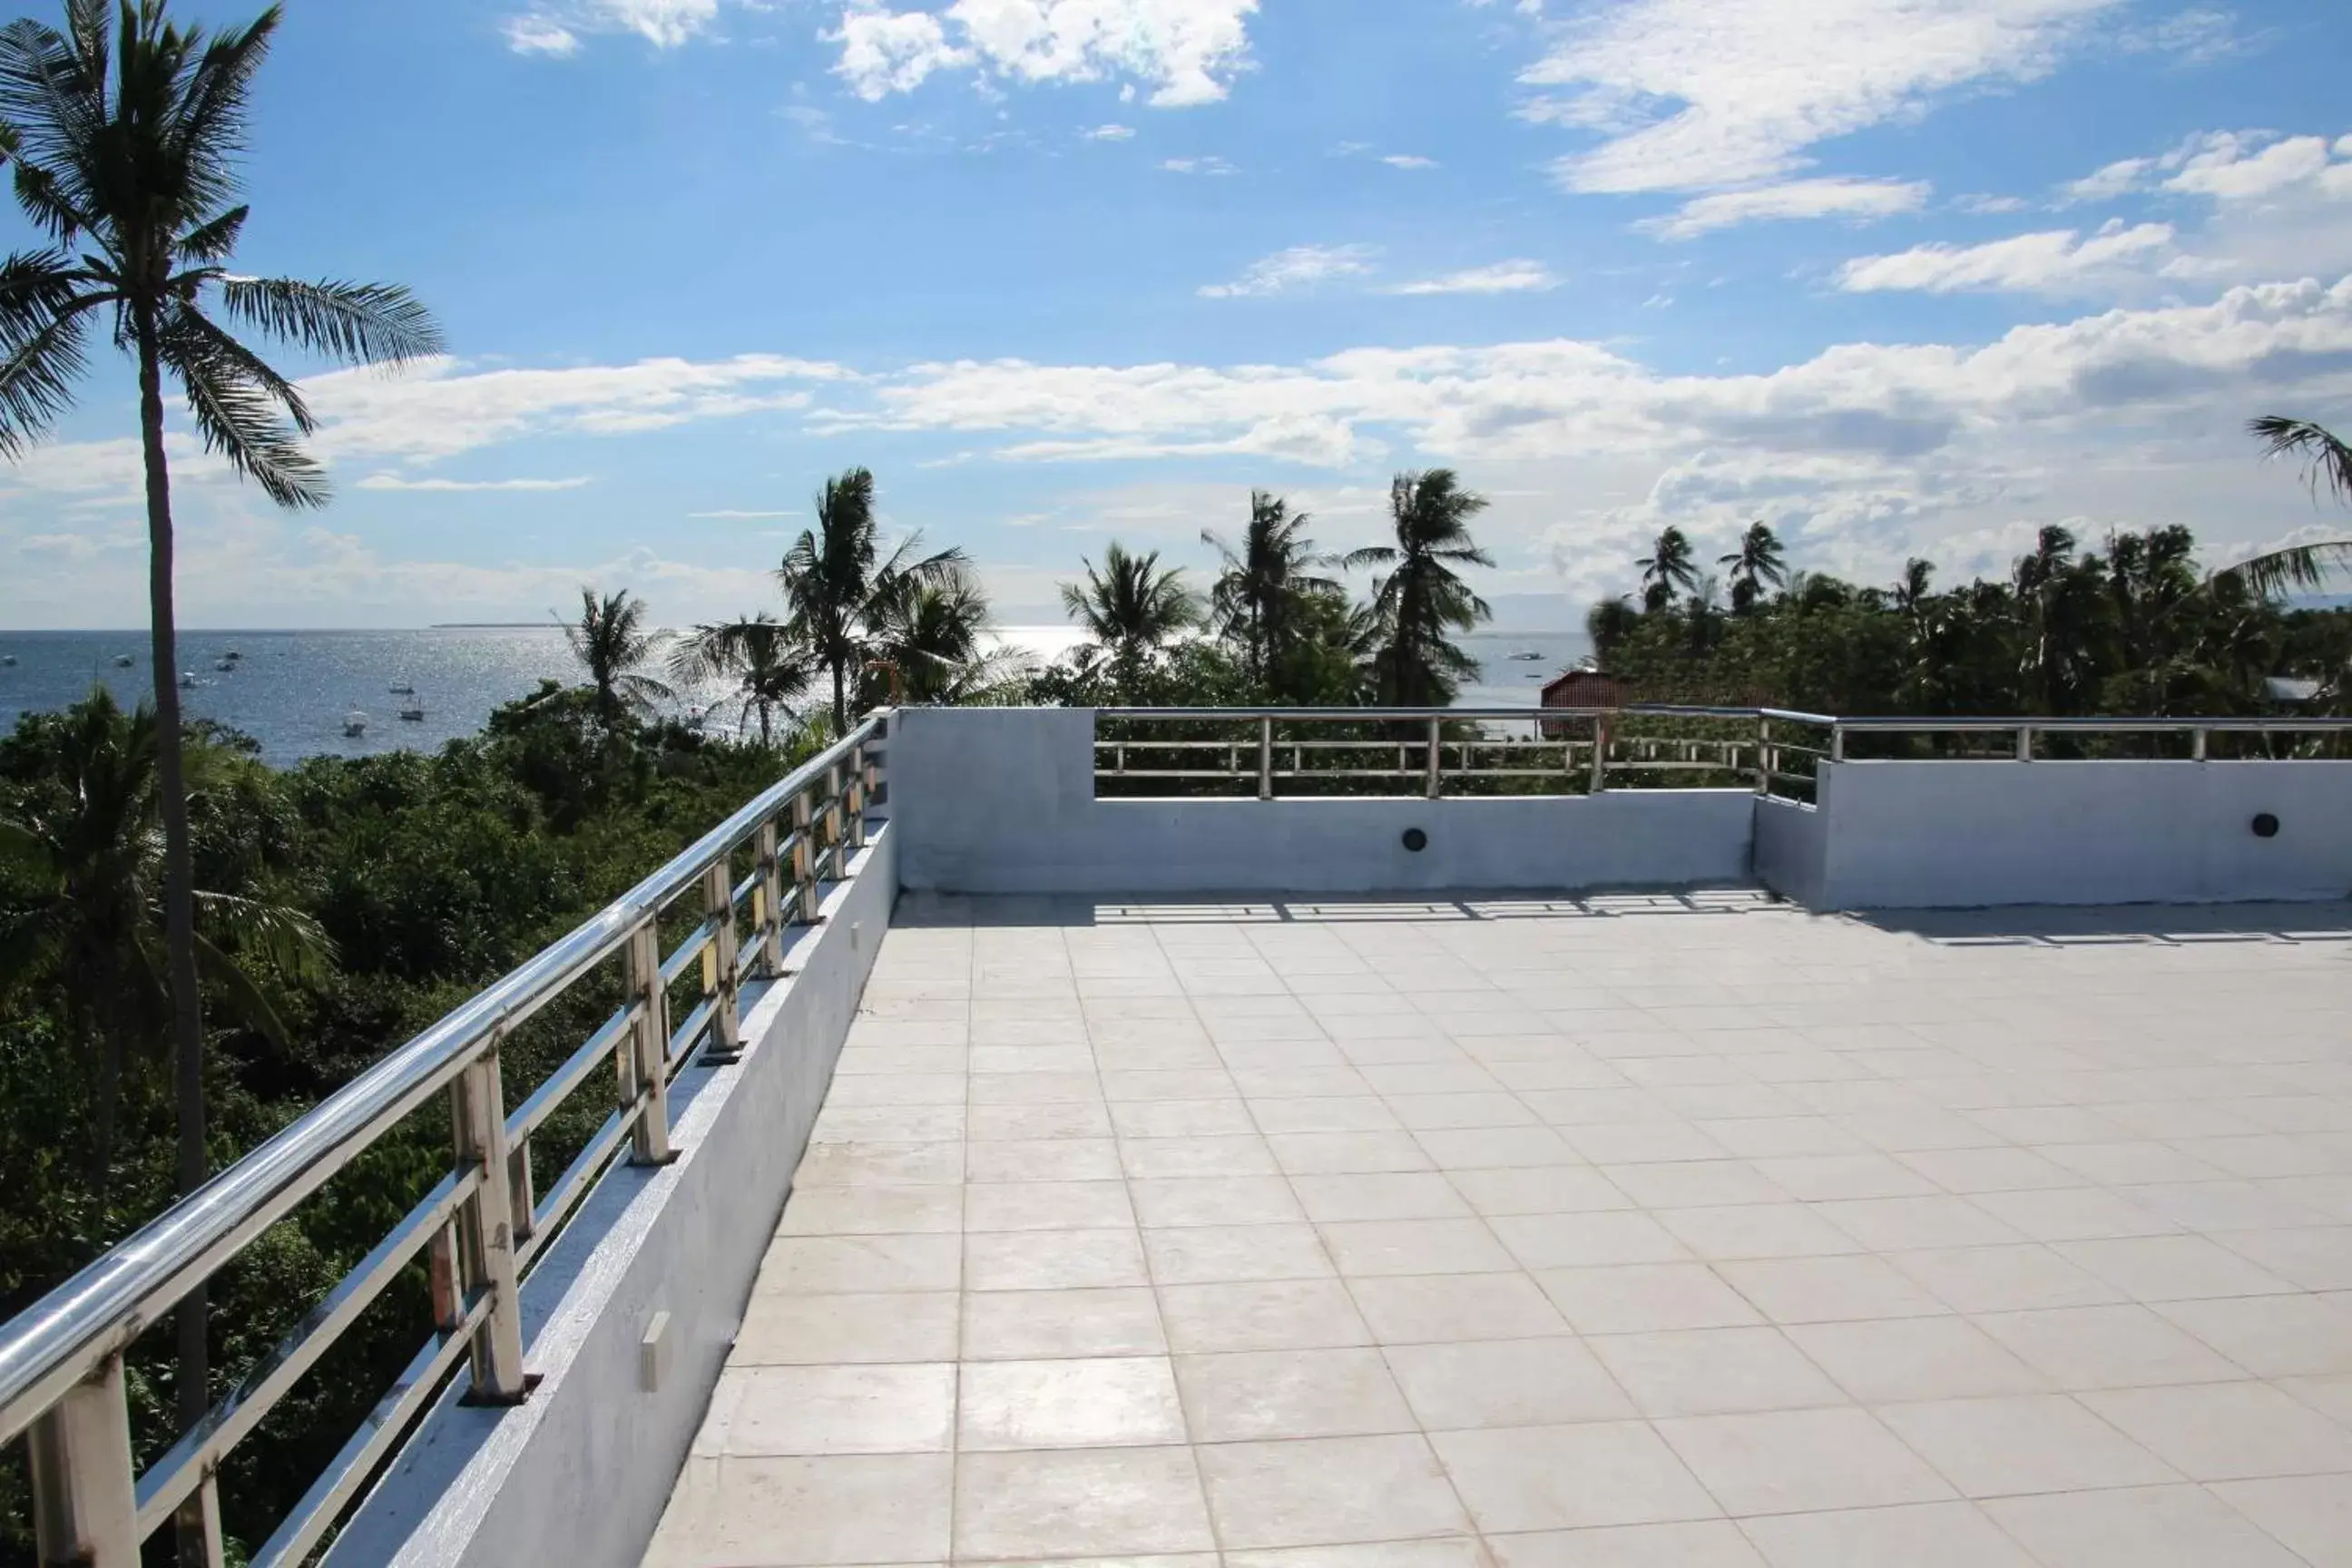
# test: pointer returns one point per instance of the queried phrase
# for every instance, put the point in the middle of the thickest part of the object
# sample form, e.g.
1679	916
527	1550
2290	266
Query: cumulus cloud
1300	267
2058	262
387	481
555	31
1185	51
1502	277
1859	200
1694	94
538	35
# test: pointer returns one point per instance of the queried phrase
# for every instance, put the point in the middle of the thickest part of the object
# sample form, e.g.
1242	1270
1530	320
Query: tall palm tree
2327	466
125	129
1915	588
932	636
1423	597
612	644
766	667
839	587
1758	563
1254	601
1668	566
90	852
1132	608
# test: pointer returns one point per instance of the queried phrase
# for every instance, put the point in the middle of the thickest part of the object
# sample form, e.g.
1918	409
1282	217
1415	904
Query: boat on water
354	725
7	660
1524	656
403	689
225	666
412	712
122	661
188	682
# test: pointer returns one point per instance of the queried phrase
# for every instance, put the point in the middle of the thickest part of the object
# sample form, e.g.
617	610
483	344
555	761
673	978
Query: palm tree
1422	598
125	129
1668	567
1255	599
612	644
1609	623
838	587
1132	608
1917	586
932	636
1758	563
2327	466
91	855
766	667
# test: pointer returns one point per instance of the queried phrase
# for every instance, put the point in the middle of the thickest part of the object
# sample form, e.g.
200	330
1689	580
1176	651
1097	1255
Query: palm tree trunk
192	1379
840	697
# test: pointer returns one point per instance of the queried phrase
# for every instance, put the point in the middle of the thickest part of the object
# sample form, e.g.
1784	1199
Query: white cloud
538	35
1209	165
1502	277
1860	200
1300	267
1109	133
1185	51
1990	204
2056	262
452	487
2260	205
1702	94
729	514
2231	168
1408	161
2107	181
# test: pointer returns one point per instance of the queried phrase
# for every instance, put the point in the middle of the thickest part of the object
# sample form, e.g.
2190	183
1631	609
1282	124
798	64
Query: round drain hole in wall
1415	839
2266	825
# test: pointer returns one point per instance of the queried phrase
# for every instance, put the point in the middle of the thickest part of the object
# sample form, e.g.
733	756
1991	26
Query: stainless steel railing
61	1361
1434	752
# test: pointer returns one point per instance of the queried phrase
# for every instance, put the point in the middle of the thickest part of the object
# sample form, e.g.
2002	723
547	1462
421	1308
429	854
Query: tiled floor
1630	1232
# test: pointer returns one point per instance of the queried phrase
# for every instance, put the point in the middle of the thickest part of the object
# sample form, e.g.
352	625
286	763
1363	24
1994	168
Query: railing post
1600	752
645	1077
1436	784
1763	755
722	964
1265	759
85	1501
2199	744
1837	743
833	852
857	786
767	905
804	858
477	1118
2025	743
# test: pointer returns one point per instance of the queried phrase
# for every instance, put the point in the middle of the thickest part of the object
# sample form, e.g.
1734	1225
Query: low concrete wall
1957	834
999	800
579	1474
1792	850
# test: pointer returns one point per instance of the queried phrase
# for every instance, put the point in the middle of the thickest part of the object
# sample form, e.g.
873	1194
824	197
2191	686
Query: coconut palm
1254	601
1669	566
2327	466
125	129
90	854
1915	589
839	587
1608	624
932	639
612	644
767	668
1423	597
1132	608
1758	563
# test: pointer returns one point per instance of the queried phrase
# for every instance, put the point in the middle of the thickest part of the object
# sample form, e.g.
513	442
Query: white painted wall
995	800
578	1475
1959	834
1792	850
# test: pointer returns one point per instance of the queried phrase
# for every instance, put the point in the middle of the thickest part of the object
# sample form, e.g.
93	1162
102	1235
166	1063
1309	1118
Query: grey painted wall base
996	800
579	1475
1949	835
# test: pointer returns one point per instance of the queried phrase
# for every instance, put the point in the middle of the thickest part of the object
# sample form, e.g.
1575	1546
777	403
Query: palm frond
46	358
2327	457
358	323
215	241
206	121
287	941
242	415
2298	568
246	998
53	94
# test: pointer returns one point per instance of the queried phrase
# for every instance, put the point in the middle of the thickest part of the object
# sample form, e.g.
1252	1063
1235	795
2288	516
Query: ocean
291	691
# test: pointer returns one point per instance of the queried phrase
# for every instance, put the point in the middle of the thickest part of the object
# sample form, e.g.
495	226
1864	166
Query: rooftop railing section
725	907
1439	753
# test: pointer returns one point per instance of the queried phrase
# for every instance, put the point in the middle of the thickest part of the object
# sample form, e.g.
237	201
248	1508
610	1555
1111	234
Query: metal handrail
60	1360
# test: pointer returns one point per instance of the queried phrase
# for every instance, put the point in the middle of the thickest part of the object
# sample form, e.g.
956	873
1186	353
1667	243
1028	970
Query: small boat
354	725
188	681
225	666
1524	656
412	712
232	656
7	660
403	689
122	661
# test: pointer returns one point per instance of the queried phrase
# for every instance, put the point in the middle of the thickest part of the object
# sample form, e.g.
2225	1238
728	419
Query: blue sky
1903	277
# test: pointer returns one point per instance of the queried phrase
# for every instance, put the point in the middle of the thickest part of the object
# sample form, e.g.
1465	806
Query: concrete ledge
579	1475
1002	801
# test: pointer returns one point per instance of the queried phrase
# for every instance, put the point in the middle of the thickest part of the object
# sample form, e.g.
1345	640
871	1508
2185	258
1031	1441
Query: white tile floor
1638	1231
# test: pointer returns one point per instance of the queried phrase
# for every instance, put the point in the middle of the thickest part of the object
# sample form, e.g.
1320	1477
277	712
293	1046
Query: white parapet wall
577	1476
1951	835
1002	800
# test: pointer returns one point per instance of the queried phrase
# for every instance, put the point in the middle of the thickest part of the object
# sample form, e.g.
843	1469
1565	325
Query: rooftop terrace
1657	1230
